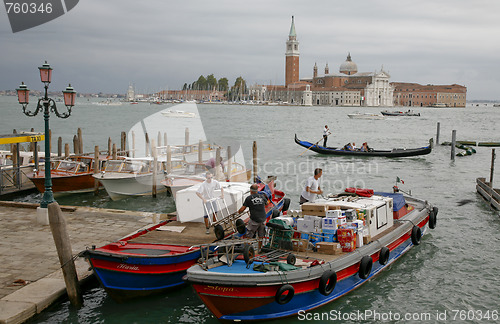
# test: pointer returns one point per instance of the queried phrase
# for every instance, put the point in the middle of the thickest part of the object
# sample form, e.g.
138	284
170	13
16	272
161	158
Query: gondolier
312	188
326	132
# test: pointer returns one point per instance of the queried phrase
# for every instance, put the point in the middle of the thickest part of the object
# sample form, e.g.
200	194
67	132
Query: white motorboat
178	114
365	116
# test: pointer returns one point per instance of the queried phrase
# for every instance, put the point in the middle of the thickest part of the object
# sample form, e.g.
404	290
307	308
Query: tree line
210	82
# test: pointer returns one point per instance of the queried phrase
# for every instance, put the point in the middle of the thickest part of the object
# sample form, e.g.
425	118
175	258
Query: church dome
348	67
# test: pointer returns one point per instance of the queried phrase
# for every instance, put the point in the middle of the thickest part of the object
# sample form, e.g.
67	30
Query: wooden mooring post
96	169
63	246
80	141
492	170
154	167
254	161
437	132
453	143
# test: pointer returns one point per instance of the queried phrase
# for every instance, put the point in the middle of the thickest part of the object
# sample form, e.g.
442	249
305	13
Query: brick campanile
292	57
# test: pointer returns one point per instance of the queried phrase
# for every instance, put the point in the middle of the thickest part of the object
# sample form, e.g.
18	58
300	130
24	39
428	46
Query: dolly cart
225	221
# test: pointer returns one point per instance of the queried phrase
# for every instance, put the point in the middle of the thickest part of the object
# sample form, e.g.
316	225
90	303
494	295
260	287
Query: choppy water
452	275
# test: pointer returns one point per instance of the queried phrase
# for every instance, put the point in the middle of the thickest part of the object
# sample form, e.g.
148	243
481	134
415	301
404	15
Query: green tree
185	86
201	83
211	82
223	84
239	89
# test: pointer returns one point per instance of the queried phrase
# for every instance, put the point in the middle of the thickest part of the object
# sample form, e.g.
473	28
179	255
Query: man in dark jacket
256	203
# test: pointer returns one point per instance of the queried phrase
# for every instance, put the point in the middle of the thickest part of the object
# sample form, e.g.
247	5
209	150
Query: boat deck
193	233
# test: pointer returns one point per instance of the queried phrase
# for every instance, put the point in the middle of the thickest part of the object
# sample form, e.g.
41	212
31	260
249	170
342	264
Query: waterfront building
417	95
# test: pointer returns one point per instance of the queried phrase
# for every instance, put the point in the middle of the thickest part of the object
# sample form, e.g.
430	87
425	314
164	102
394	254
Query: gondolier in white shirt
326	132
206	192
312	187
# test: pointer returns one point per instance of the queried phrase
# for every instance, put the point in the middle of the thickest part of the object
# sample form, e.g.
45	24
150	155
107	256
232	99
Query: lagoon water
451	276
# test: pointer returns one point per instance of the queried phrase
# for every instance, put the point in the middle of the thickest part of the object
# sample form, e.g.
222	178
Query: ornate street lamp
47	105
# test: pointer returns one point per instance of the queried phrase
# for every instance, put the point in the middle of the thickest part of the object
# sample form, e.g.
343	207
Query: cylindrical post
437	132
123	143
80	141
254	161
493	156
147	152
66	150
229	163
133	144
114	152
169	159
165	139
110	144
453	143
59	146
155	161
200	151
159	139
63	246
96	169
76	146
217	164
32	144
186	139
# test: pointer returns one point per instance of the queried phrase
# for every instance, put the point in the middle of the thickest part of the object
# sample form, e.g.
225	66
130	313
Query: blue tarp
398	199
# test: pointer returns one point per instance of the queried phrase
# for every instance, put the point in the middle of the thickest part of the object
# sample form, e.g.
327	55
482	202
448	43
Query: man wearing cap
256	203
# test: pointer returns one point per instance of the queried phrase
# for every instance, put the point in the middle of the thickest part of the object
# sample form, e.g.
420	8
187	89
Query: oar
311	146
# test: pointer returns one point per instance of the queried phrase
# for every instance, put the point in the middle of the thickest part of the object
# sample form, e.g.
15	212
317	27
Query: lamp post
46	105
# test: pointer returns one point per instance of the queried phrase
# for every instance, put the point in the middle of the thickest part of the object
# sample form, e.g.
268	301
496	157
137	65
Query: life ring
365	267
432	219
284	294
416	234
248	253
384	255
327	282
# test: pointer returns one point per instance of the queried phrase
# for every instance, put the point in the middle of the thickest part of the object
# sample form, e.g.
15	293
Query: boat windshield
68	166
135	167
113	166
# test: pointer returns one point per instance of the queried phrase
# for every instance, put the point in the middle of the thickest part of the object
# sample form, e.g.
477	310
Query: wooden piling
66	150
110	144
200	151
453	143
154	166
33	144
492	170
217	163
59	146
63	246
123	143
186	136
115	155
437	132
80	141
147	151
133	144
169	159
254	161
165	139
76	146
159	139
229	163
96	169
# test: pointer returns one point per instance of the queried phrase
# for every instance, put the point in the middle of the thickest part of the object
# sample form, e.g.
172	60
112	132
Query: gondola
395	152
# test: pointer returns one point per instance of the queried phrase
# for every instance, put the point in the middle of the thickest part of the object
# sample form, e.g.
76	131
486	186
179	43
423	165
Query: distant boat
399	113
365	116
178	114
439	105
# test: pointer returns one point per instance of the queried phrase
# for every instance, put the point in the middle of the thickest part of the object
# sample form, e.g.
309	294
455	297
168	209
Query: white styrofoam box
333	213
315	219
288	220
305	225
329	223
358	224
366	231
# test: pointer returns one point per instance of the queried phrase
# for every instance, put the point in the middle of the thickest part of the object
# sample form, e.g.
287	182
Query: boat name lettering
127	267
223	289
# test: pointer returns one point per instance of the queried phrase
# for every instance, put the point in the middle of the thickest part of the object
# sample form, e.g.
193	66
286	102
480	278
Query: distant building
416	95
130	93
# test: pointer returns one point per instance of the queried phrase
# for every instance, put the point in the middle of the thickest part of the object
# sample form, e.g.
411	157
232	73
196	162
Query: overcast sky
103	45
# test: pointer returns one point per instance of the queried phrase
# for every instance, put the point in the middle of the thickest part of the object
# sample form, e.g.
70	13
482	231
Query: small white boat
131	177
365	116
178	114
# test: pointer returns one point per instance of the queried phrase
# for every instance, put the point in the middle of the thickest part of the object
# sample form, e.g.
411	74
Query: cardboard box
329	223
300	245
347	239
305	225
333	213
328	248
367	239
313	209
341	220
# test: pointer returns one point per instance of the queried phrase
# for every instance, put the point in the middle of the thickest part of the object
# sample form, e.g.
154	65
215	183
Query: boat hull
65	184
382	153
253	298
123	185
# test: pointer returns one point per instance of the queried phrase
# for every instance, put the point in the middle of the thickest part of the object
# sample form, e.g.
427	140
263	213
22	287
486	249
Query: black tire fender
384	255
284	294
416	235
327	282
365	267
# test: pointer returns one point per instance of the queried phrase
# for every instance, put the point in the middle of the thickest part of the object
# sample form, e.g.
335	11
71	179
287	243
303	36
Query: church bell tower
292	57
